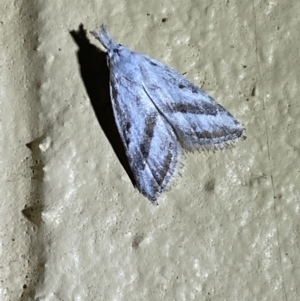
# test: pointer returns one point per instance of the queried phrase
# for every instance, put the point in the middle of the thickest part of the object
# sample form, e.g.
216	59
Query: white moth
159	114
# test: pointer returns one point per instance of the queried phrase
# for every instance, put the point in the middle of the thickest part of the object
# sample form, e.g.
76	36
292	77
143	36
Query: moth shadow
95	76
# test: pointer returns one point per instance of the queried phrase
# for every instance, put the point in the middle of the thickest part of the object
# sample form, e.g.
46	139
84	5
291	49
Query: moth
159	115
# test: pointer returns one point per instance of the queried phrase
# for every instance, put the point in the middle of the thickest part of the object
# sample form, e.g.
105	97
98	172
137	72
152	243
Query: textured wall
72	225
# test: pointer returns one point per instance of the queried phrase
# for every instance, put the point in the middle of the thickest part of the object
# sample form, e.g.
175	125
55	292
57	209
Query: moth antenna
103	36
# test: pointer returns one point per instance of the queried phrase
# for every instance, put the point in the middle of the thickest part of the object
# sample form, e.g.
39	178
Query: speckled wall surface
73	227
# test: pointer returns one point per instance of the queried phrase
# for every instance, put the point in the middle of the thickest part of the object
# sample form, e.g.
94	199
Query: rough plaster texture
72	227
